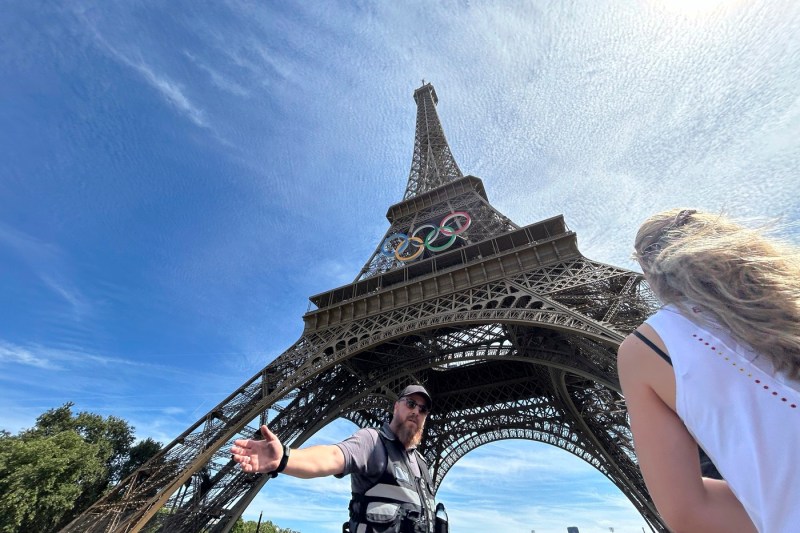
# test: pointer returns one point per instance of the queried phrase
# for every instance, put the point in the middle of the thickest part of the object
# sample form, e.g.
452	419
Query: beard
410	432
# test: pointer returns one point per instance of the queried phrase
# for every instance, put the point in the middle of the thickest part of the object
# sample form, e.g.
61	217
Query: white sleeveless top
744	415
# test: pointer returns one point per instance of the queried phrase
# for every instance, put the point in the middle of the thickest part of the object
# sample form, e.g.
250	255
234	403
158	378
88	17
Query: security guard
391	484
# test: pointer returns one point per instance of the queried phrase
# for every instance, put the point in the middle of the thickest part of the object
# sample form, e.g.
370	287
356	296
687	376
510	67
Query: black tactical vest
397	502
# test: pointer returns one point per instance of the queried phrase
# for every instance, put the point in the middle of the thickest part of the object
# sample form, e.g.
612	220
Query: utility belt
383	515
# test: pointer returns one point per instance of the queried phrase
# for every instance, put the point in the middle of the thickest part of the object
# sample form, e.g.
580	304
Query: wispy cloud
170	90
30	248
56	358
10	353
80	304
153	396
50	265
225	83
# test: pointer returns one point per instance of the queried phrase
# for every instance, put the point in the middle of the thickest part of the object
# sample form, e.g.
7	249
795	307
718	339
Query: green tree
266	527
138	455
272	528
52	472
42	478
112	437
240	526
112	434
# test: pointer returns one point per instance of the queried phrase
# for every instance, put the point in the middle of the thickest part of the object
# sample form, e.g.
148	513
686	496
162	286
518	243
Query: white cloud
10	353
170	90
50	265
226	83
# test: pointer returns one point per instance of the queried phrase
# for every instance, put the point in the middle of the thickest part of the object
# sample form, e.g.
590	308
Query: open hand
258	455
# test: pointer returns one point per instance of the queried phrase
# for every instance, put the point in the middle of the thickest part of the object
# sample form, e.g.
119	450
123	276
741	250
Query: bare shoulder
634	352
631	359
627	353
640	367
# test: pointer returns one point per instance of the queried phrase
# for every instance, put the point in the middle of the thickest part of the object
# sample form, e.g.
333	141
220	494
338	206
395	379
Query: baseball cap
417	389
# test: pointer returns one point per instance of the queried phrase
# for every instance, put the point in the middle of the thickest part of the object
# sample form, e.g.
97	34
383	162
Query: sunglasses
411	404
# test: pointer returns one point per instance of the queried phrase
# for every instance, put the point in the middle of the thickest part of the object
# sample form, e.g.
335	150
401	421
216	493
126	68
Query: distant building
572	530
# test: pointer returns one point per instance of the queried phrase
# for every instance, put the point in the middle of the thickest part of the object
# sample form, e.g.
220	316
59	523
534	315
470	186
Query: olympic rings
397	243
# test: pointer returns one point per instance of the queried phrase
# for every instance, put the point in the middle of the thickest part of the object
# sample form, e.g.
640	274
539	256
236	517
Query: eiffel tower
511	329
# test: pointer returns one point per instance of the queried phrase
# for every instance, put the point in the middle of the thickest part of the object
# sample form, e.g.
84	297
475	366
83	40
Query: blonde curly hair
747	281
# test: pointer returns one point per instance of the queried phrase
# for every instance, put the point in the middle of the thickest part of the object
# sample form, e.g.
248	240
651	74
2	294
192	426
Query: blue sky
176	179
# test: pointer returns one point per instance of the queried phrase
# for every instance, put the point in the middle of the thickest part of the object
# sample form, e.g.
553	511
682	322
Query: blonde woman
718	366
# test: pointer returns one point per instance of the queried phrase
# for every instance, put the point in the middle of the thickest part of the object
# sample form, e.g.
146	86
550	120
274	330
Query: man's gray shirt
364	465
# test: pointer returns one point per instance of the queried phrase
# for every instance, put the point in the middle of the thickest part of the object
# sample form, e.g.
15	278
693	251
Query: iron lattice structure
433	163
512	330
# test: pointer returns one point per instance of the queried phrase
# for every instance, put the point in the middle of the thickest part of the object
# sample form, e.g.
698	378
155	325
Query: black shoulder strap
423	469
382	449
655	348
359	512
421	463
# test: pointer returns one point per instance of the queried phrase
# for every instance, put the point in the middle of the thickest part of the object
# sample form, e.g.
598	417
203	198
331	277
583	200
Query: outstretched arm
265	455
666	451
